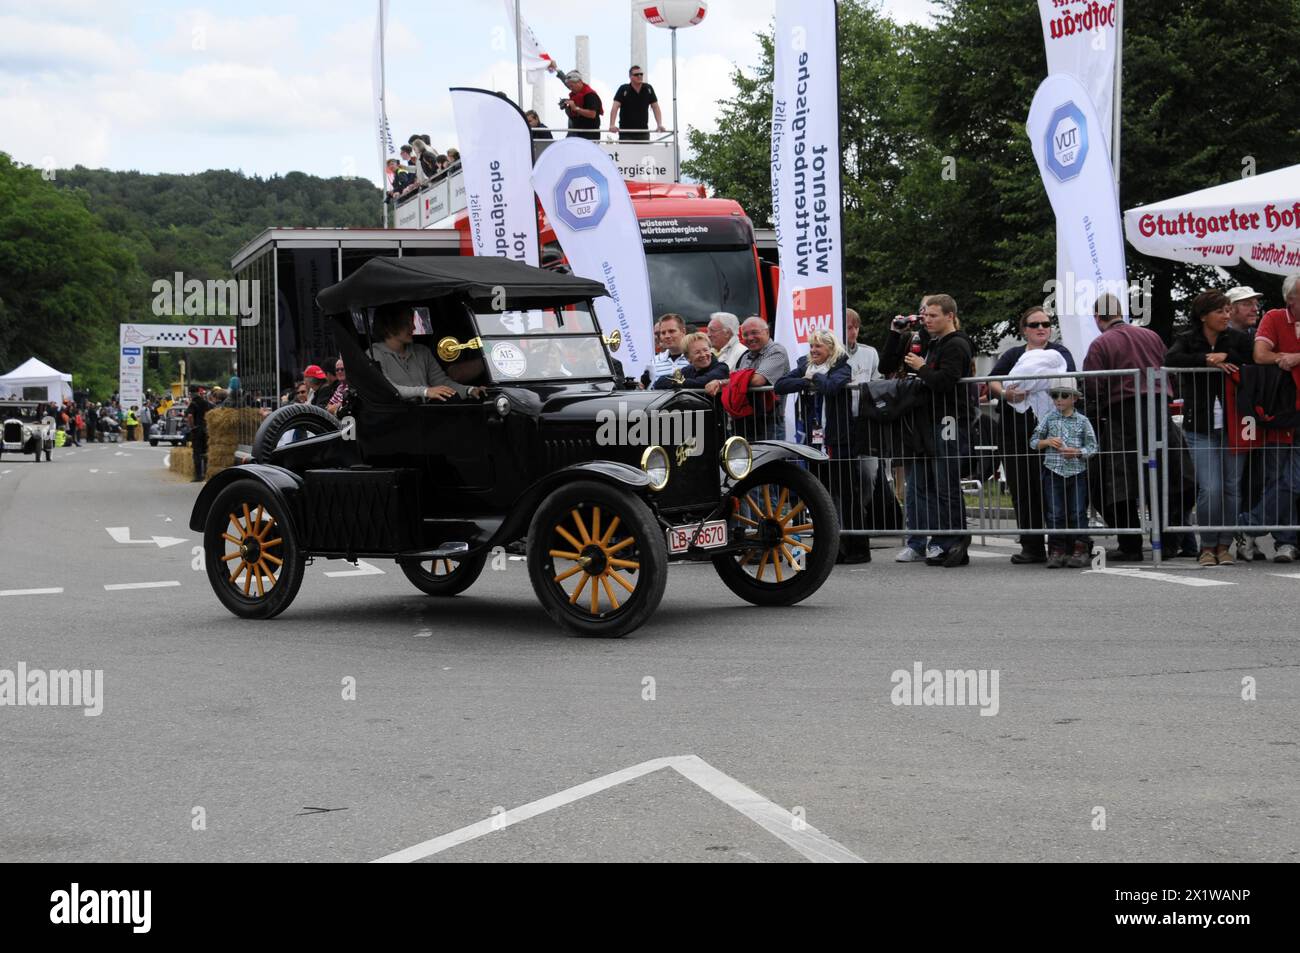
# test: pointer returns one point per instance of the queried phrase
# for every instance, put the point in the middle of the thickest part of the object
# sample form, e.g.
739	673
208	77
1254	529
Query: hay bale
181	462
226	425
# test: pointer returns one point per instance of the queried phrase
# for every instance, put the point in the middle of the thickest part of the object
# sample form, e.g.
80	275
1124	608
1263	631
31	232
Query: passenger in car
411	367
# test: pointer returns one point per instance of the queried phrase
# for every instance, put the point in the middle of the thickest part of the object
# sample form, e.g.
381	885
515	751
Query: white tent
34	373
1254	220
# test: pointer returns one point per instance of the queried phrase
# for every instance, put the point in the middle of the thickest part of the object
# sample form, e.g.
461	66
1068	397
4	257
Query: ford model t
602	486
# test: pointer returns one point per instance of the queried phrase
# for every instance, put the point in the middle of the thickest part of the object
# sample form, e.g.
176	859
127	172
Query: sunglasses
1038	324
638	74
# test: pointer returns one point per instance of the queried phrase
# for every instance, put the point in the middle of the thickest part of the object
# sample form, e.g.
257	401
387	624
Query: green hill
81	248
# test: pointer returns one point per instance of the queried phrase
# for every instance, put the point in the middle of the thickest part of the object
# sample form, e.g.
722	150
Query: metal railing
1175	457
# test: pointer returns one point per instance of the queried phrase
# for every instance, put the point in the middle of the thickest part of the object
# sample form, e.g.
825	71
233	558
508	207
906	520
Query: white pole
519	51
1118	106
383	106
582	56
677	155
639	28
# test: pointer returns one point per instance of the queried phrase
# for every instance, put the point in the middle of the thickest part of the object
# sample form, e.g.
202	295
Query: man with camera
582	106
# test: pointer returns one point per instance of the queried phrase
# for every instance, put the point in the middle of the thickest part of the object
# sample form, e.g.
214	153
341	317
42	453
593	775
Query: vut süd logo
1066	146
581	197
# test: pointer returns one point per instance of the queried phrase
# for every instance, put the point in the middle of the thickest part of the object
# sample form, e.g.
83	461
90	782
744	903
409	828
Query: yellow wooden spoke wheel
250	547
784	526
597	558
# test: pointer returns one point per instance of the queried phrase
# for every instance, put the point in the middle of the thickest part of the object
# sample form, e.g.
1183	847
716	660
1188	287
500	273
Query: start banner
806	172
497	162
587	204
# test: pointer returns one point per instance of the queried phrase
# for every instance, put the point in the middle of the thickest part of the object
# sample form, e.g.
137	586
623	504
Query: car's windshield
699	282
537	321
542	344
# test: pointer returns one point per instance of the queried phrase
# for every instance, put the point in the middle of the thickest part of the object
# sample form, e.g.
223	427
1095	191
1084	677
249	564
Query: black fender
285	486
624	475
770	451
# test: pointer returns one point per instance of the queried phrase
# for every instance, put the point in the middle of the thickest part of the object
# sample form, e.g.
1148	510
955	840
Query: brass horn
615	340
449	348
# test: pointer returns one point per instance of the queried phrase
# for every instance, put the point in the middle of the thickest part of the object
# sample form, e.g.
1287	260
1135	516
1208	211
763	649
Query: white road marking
122	534
1160	577
30	592
363	569
121	454
424	634
976	554
116	587
776	820
1286	575
94	469
167	461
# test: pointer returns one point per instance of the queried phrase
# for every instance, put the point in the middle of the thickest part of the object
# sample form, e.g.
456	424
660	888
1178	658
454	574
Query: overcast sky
270	87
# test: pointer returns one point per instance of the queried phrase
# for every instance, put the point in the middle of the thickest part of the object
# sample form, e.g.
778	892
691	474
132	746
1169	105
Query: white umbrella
1255	220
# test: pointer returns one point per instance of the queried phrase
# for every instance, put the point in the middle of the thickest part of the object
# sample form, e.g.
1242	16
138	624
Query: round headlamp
737	458
655	464
503	405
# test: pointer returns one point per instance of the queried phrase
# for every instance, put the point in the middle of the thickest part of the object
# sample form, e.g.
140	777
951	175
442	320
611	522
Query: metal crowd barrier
1171	464
1226	472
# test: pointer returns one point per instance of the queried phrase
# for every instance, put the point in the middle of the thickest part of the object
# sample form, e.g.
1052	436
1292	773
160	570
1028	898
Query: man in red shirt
1277	341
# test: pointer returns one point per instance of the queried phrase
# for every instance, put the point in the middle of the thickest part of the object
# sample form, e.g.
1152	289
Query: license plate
712	535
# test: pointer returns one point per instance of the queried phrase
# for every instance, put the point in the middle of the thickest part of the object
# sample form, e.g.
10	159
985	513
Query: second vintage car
604	486
25	429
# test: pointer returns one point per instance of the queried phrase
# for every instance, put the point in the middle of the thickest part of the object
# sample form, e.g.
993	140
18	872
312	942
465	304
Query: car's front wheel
785	521
251	550
445	577
597	559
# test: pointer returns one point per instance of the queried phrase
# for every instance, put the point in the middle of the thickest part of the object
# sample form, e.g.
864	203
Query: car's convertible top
390	280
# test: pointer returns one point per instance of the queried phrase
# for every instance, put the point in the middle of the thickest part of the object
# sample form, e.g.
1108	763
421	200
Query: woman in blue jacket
819	379
825	412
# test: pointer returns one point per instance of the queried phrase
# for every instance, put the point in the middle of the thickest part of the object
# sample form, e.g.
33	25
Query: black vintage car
604	485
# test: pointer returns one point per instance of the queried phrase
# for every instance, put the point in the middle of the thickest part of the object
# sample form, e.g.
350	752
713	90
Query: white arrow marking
363	569
776	820
122	534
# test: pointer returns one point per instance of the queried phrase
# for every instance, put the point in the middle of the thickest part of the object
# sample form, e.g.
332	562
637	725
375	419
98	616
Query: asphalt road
225	740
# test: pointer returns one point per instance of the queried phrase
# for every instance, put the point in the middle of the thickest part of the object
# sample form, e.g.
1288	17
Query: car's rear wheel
251	550
597	559
786	522
445	577
290	419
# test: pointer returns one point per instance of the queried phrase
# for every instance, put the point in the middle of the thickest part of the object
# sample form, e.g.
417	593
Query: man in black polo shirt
634	100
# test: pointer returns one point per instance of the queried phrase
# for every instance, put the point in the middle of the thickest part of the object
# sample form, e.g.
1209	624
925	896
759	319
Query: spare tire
314	420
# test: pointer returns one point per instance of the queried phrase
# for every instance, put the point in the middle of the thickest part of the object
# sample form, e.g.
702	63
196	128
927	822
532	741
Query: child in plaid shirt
1068	438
